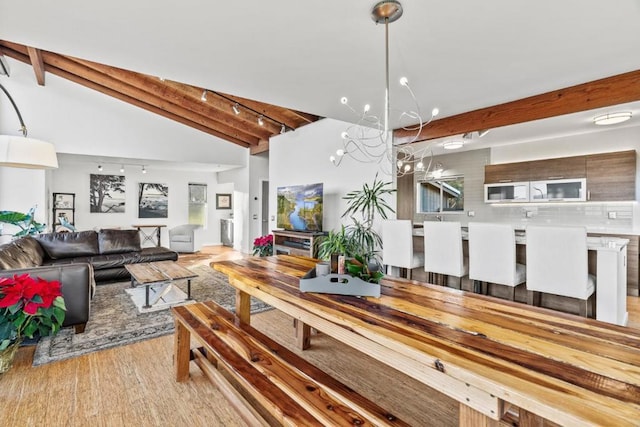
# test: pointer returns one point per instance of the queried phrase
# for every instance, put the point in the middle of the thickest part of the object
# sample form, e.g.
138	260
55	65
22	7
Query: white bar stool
443	249
492	256
557	263
397	245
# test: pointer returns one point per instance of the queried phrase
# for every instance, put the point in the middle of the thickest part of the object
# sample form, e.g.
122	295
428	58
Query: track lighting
100	168
236	108
203	98
261	120
122	169
283	129
144	170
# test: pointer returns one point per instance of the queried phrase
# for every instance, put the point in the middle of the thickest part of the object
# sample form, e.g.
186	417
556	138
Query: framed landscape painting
153	200
106	193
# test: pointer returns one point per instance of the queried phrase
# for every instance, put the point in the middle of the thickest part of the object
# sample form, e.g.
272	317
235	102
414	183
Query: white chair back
557	261
397	244
492	253
443	248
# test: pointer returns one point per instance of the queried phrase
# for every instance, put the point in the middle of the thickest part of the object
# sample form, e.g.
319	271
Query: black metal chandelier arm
23	128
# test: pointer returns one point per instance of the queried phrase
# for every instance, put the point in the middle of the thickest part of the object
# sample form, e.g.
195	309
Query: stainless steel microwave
560	190
506	192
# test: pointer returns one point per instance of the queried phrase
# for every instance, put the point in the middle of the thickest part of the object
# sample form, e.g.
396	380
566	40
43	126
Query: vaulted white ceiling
459	55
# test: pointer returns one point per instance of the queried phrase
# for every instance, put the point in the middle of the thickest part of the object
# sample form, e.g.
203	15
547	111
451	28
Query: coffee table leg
188	289
146	296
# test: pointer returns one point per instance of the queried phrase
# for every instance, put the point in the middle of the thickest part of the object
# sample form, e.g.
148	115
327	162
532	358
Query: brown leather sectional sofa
78	260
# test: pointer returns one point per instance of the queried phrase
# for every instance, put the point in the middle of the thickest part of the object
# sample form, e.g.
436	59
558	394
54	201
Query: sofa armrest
77	288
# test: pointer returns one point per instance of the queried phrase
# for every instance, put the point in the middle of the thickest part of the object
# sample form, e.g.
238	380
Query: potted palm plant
359	241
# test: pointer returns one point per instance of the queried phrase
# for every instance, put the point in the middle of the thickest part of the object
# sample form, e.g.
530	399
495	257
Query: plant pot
7	355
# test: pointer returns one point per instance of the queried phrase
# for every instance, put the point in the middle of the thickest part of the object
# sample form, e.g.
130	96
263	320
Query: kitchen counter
611	276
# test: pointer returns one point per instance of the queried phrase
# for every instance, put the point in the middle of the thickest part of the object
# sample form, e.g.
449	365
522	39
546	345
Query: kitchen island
610	269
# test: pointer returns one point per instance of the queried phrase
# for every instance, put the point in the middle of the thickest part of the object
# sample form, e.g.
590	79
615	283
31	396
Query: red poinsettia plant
29	307
263	245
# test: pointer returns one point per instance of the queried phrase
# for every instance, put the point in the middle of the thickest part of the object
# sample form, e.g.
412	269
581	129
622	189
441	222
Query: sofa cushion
21	253
67	245
118	241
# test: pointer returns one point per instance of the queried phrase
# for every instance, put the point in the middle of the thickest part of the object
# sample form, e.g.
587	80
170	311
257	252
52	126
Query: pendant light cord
23	128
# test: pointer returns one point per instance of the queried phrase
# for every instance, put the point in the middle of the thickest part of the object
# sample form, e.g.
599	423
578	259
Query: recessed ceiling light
612	118
453	145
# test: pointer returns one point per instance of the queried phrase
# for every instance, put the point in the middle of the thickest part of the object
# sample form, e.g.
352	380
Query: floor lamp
23	152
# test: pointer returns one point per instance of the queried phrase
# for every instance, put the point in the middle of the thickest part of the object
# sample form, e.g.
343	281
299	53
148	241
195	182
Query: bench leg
182	355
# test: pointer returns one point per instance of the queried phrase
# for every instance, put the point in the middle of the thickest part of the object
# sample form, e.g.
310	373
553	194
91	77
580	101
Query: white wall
20	190
302	157
74	178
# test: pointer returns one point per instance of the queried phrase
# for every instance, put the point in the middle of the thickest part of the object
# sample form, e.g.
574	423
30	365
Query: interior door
265	208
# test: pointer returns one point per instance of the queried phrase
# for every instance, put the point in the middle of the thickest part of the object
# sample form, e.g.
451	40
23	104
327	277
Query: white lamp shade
20	152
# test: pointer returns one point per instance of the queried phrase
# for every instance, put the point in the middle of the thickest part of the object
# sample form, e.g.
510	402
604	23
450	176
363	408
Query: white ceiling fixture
369	140
612	118
23	152
455	144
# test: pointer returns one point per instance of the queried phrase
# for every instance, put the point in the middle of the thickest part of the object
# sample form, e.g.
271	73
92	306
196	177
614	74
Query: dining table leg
243	306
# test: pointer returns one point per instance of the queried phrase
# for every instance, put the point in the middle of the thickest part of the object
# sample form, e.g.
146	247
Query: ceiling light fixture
99	168
261	120
144	170
25	152
612	118
369	140
122	169
453	145
236	108
203	98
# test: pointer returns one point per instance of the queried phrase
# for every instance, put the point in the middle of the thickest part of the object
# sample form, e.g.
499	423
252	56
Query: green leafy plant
358	241
25	221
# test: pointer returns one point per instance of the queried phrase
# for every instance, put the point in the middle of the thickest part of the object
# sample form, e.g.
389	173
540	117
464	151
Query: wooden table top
160	271
477	349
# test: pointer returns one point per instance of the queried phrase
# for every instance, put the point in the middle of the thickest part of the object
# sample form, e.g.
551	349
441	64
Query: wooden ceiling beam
115	94
281	115
185	96
612	90
159	101
262	147
35	55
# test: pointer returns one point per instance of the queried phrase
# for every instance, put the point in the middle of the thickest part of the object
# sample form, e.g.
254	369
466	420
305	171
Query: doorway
264	211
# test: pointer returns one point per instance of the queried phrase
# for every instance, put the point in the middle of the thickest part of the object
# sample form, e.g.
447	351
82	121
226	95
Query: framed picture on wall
223	201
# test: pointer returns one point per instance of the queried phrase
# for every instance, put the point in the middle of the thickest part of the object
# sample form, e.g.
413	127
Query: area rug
114	320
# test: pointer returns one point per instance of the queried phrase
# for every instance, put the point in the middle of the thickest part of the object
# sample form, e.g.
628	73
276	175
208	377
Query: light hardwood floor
134	386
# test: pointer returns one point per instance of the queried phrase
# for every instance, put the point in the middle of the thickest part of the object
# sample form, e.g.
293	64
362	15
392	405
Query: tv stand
301	243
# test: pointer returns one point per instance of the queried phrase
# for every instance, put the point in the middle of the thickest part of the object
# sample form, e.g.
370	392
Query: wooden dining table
496	358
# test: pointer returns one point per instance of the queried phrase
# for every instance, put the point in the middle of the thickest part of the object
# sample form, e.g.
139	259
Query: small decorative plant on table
28	308
263	245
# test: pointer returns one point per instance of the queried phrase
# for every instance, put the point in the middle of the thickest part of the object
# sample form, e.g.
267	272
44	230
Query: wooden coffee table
153	273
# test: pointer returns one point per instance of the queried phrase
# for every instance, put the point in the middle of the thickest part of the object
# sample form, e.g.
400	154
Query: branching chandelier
369	140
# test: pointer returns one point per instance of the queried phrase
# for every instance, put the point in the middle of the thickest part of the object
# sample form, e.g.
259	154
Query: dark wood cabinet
561	168
506	172
611	176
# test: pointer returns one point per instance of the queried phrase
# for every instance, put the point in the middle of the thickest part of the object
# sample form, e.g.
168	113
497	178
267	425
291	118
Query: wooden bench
264	381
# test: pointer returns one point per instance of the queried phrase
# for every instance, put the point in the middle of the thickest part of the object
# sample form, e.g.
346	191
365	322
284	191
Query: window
198	204
441	195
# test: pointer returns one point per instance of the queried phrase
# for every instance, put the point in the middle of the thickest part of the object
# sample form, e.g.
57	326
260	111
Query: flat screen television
300	207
